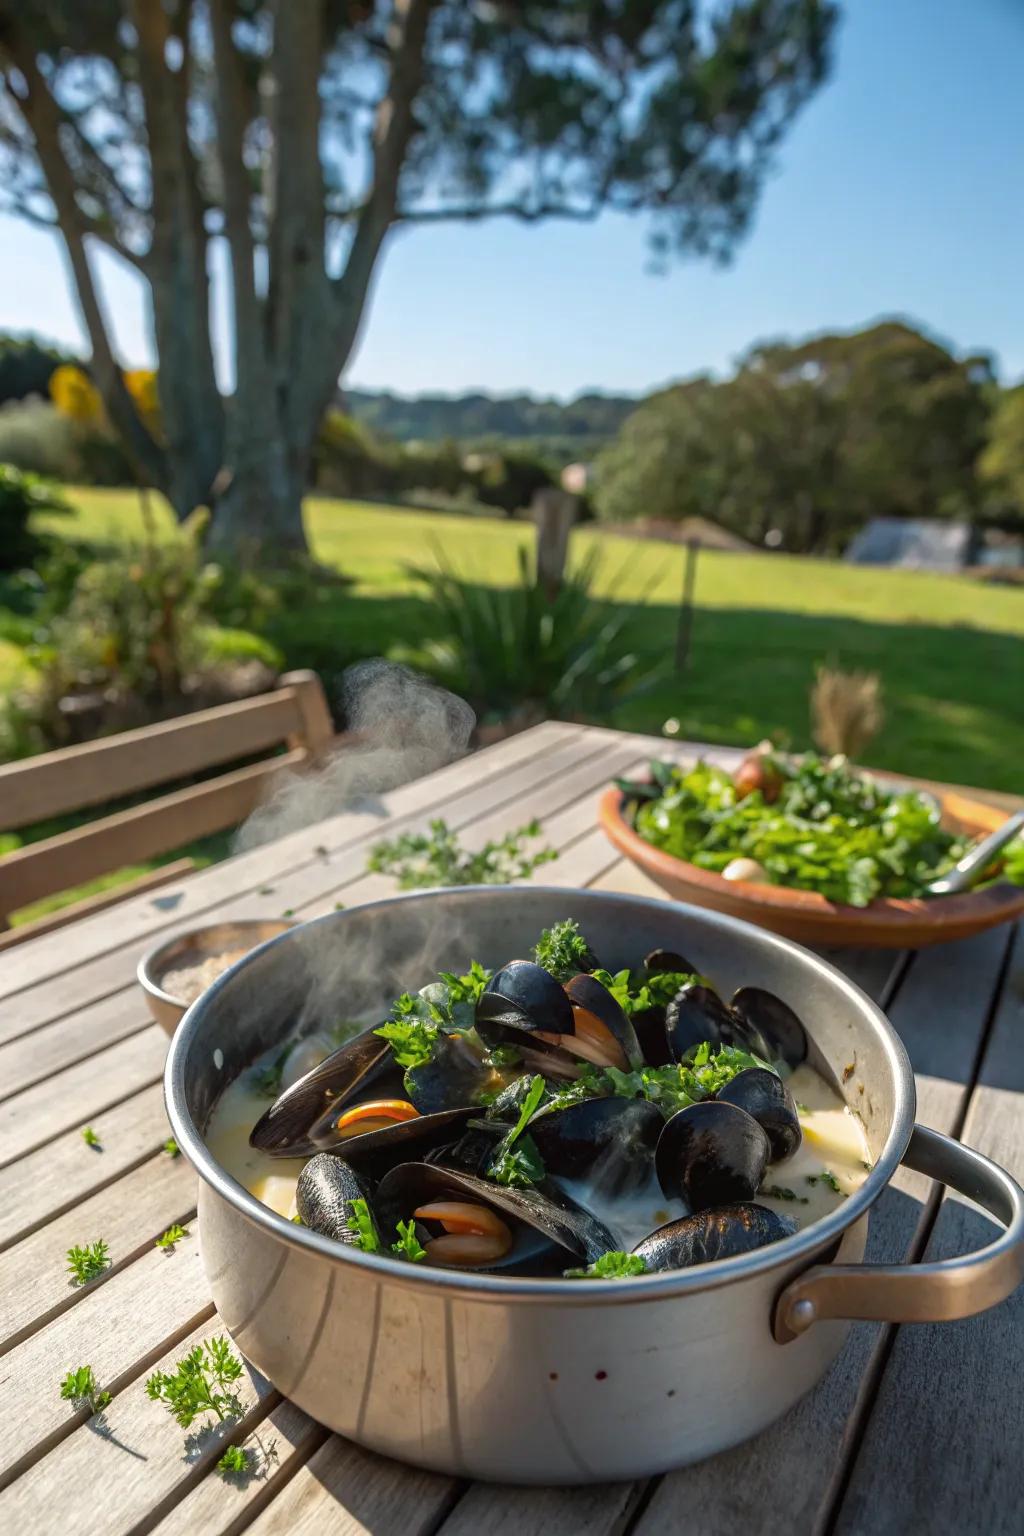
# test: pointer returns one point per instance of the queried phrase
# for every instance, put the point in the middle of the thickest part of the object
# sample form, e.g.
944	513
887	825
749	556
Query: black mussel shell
764	1095
649	1028
669	960
584	991
374	1153
543	1232
696	1014
520	999
711	1154
783	1034
326	1186
609	1140
283	1130
455	1076
474	1150
710	1235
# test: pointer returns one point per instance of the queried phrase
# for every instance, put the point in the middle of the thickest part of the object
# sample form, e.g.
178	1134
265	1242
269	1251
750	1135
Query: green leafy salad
810	823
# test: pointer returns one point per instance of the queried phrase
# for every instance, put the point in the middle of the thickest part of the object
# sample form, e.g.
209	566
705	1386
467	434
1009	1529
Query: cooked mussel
602	1033
324	1194
377	1150
714	1234
469	1223
764	1095
711	1154
455	1076
694	1015
348	1072
784	1037
522	999
669	960
610	1141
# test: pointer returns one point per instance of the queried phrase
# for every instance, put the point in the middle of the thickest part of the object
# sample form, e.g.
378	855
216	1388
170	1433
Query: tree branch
235	180
528	213
42	115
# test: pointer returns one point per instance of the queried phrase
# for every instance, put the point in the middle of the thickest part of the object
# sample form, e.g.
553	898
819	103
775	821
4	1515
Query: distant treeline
591	419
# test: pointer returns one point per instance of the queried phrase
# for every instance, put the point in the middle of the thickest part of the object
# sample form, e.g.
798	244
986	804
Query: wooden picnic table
915	1429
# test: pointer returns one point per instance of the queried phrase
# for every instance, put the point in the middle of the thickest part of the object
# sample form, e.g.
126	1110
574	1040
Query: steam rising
404	727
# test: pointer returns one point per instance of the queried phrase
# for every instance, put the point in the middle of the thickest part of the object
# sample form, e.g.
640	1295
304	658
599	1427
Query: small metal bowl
192	948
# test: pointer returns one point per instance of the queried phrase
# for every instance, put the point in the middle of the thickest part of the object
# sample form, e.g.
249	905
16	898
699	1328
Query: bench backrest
295	716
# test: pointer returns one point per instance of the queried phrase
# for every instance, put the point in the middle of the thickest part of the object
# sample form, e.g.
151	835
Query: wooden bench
294	717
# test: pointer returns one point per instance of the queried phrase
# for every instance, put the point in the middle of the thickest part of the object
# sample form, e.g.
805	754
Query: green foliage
21	495
36	437
88	1262
27	362
610	1266
563	951
81	1388
516	648
421	860
830	830
235	1461
810	439
199	1383
487	420
1002	462
411	1039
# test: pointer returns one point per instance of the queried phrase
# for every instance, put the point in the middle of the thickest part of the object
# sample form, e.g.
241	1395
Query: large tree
303	131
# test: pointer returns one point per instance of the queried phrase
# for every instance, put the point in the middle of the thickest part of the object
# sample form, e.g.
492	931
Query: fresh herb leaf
268	1081
81	1388
420	860
408	1245
826	1176
411	1039
563	951
171	1147
520	1166
173	1235
198	1384
504	1056
366	1233
235	1460
781	1192
610	1266
84	1264
90	1138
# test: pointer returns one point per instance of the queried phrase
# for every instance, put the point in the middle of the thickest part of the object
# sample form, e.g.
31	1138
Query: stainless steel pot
548	1381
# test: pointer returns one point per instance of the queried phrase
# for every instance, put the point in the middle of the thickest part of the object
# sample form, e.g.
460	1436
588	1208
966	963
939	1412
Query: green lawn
949	649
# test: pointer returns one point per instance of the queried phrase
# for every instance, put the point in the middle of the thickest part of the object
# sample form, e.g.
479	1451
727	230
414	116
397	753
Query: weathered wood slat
354	1493
120	1330
797	1465
37	1057
166	874
141	919
80	1094
129	1216
942	1446
40	1186
155	827
510	1511
279	1444
97	772
135	1452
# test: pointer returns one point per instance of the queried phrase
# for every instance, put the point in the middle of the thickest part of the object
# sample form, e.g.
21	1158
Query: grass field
950	650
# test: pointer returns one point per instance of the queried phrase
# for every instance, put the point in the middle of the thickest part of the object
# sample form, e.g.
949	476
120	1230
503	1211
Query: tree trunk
258	511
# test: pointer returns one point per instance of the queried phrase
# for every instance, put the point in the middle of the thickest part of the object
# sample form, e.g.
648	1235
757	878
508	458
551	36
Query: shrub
512	649
21	494
35	437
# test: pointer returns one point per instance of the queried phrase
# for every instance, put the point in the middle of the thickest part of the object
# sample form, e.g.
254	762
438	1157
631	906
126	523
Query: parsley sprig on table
81	1388
86	1263
168	1239
423	859
830	829
91	1139
235	1460
199	1383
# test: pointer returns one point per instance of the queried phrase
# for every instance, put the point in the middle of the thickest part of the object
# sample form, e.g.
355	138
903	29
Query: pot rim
803	1245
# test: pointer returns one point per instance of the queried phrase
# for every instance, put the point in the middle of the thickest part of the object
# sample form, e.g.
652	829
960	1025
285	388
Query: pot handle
920	1293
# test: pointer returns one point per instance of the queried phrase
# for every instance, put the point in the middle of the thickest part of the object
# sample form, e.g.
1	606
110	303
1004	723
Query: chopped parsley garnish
672	1088
90	1138
235	1460
635	994
85	1264
199	1383
780	1192
826	1176
362	1221
517	1161
408	1245
81	1388
424	859
610	1266
268	1080
173	1235
563	951
411	1039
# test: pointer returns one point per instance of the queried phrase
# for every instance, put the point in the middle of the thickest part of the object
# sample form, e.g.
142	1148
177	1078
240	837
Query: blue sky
900	191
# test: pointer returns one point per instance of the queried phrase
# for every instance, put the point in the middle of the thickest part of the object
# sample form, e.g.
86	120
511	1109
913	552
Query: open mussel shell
283	1130
696	1014
764	1095
710	1235
589	996
711	1154
521	999
610	1141
543	1233
784	1036
375	1153
323	1194
669	960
